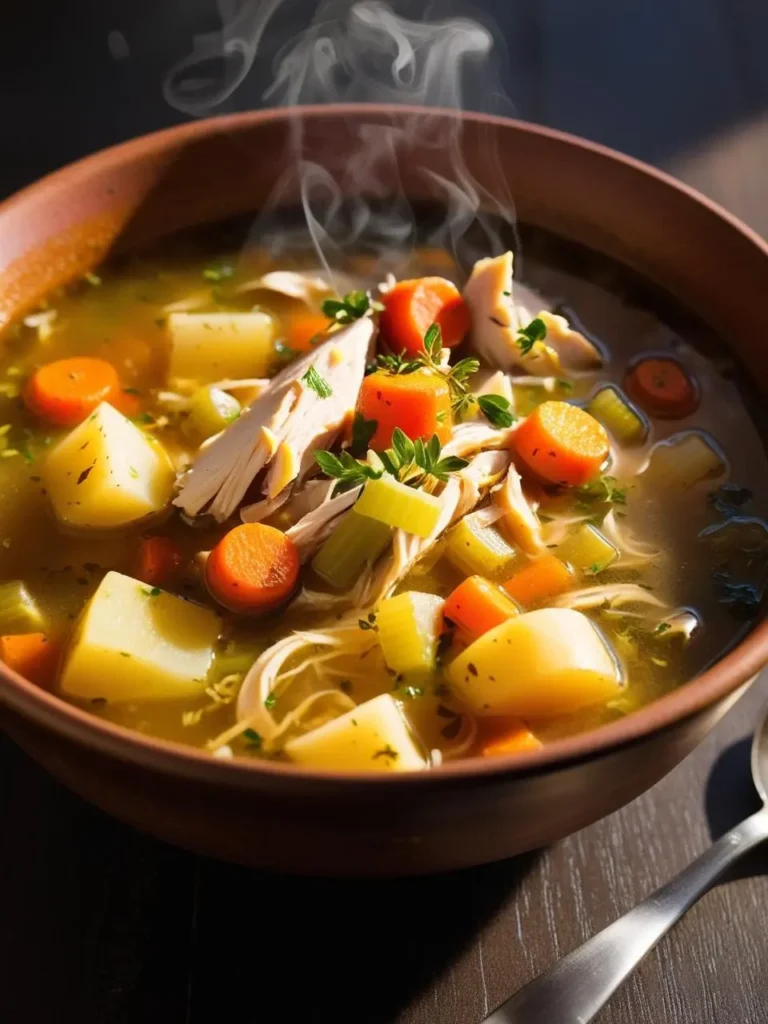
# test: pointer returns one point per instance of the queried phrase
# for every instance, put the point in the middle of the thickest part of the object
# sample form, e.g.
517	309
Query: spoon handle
580	984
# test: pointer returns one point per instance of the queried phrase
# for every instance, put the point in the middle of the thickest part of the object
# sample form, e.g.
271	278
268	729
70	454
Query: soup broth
380	610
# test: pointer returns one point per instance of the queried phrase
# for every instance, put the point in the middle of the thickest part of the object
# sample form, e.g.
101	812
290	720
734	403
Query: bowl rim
720	680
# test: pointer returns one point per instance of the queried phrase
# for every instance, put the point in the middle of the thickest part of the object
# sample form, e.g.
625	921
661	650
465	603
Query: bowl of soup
344	558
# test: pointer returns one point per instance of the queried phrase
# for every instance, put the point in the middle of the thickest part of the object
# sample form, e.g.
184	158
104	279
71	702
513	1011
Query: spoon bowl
759	758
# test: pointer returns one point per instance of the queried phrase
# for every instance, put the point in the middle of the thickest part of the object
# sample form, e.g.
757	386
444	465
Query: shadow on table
730	798
330	950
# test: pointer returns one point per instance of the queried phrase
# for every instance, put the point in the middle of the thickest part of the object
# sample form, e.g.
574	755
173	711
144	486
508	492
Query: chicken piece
483	472
496	321
303	287
282	428
313	528
574	351
474	436
519	522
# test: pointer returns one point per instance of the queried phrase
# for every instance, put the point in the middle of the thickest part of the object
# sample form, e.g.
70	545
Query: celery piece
479	550
356	542
18	611
396	504
409	626
613	409
211	410
684	460
587	550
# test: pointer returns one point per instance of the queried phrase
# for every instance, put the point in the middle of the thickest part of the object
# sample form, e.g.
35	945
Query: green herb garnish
219	271
352	307
661	628
254	739
270	701
369	622
413	462
362	432
319	385
348	472
528	336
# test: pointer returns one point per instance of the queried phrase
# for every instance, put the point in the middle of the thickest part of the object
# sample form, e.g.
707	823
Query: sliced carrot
252	569
662	387
65	392
411	307
545	577
32	655
159	560
419	403
302	328
562	444
507	736
477	605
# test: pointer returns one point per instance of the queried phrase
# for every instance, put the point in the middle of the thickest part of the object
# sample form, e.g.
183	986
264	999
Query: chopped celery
685	459
618	415
356	541
409	626
396	504
587	550
211	410
479	550
18	610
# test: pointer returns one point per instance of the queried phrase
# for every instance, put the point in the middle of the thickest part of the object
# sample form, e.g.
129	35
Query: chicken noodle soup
368	526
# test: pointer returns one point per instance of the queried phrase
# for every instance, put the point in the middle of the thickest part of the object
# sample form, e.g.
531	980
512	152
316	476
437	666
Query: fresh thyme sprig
528	336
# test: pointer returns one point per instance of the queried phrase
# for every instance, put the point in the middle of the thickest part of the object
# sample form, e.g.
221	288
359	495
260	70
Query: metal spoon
580	984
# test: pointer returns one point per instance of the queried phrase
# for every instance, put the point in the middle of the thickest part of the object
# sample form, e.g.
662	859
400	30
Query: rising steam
363	53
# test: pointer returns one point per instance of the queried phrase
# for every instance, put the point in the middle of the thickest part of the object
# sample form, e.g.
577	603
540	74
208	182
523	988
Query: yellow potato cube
107	473
137	643
211	346
547	662
373	737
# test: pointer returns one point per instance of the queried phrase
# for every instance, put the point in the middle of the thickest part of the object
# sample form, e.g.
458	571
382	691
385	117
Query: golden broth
121	315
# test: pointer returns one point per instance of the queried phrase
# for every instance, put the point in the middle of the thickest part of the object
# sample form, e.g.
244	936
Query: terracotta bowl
465	813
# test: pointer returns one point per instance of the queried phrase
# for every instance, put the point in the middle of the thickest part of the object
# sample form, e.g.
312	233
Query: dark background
101	925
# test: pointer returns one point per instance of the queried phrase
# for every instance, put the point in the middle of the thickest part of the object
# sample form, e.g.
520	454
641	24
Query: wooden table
101	925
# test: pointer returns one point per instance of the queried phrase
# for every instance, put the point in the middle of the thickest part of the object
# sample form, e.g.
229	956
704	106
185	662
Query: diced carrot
302	328
65	392
252	569
159	560
507	736
663	388
562	444
419	403
545	577
411	307
32	655
477	605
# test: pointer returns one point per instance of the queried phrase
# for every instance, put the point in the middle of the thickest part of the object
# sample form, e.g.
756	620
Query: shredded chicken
519	522
313	528
496	320
473	436
304	287
282	428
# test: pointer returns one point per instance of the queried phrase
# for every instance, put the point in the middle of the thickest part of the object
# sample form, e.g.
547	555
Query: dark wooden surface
101	925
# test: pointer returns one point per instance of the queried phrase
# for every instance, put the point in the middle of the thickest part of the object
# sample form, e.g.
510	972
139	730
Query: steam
363	53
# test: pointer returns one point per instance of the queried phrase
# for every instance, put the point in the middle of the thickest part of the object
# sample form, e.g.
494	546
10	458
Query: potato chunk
547	662
107	473
210	346
136	643
373	737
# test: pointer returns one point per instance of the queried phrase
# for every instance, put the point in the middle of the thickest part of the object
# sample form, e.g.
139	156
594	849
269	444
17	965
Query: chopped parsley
151	591
369	622
662	627
269	701
318	384
254	739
